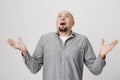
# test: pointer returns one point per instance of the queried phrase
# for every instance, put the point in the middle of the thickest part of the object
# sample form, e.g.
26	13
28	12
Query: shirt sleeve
95	65
35	62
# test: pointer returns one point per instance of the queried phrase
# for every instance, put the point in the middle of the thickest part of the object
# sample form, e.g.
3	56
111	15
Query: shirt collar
72	34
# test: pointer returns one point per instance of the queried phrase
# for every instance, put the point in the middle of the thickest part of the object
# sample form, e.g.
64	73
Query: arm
95	65
33	63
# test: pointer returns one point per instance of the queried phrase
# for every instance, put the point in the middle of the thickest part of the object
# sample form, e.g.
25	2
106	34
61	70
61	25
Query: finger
102	42
12	45
11	42
20	39
114	43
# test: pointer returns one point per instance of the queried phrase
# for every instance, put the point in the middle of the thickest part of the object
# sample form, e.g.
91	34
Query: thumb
20	39
102	41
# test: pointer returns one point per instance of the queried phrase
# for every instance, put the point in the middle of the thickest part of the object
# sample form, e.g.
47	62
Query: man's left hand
107	48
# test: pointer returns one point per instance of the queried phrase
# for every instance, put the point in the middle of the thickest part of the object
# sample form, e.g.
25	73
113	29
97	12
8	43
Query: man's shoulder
80	35
50	34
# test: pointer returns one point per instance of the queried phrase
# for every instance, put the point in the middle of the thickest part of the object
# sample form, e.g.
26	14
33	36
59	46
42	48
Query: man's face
64	21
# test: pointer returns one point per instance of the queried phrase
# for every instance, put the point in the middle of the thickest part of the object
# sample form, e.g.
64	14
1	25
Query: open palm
17	44
107	48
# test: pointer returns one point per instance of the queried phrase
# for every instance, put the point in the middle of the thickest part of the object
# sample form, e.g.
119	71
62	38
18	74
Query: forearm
97	65
32	64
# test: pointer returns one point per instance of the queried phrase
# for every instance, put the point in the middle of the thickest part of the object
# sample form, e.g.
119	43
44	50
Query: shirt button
62	62
62	75
75	48
27	57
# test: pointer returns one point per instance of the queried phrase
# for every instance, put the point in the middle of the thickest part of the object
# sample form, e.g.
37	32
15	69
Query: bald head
67	13
64	21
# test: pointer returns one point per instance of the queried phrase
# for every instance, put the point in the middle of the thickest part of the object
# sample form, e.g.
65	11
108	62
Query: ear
73	23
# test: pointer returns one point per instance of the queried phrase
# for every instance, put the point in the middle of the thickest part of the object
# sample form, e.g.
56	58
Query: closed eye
67	16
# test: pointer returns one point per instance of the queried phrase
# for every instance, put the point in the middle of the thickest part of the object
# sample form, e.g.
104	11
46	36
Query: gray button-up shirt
64	61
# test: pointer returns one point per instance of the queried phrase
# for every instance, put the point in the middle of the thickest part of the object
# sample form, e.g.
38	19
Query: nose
62	18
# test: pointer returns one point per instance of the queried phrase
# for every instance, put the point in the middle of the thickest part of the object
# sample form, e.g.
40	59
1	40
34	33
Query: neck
65	34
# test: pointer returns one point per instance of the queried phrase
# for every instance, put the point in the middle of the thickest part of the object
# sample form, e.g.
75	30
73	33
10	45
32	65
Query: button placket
63	65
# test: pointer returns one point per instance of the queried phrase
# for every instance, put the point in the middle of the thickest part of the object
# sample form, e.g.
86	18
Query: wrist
24	52
102	55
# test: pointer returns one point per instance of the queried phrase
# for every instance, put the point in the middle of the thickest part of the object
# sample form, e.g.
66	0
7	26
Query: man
63	53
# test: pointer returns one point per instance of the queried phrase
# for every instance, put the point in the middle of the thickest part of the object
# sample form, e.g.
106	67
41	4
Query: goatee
63	29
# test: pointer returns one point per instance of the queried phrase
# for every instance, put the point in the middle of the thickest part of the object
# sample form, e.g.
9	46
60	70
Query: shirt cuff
27	56
101	59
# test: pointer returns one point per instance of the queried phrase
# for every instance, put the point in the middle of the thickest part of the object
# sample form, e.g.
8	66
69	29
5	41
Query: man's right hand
18	45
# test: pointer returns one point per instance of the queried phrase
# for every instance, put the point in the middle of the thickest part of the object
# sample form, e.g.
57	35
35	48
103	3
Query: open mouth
62	23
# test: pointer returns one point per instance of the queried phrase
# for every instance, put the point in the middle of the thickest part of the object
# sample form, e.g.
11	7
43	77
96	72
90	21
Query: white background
30	19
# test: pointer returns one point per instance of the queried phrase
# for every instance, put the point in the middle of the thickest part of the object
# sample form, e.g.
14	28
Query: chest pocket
76	52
